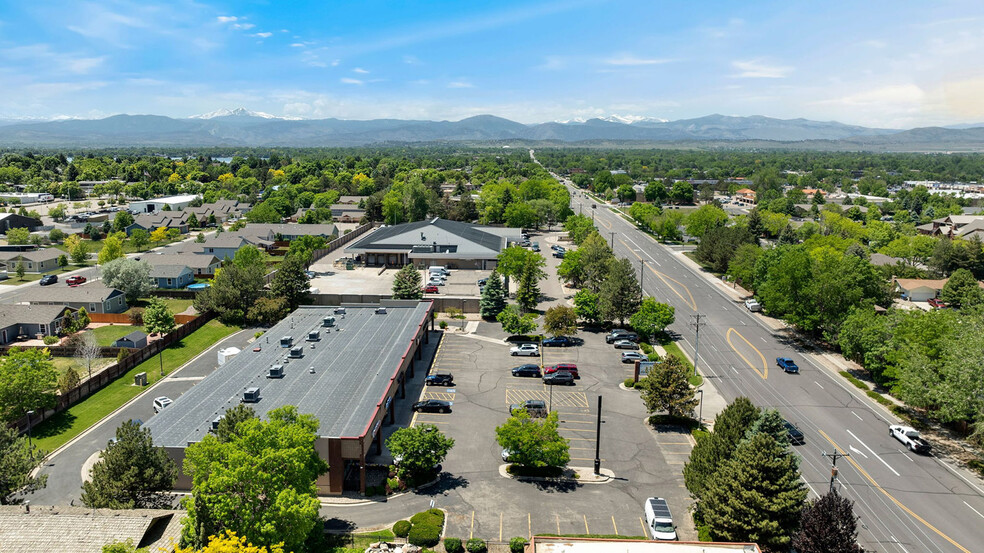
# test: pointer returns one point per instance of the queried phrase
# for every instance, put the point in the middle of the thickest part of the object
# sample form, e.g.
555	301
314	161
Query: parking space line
558	523
471	530
614	526
500	526
586	531
529	524
579	430
576	422
643	524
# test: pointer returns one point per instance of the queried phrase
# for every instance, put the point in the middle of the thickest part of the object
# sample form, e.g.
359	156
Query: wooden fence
340	241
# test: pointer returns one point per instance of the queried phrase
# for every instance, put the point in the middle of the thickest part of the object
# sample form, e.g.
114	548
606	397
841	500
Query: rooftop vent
339	310
251	395
276	371
215	423
297	352
286	341
314	336
380	310
328	322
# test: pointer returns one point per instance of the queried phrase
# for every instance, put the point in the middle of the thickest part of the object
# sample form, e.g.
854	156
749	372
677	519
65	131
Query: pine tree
667	388
756	496
620	293
828	525
713	450
131	473
406	284
770	422
493	297
528	291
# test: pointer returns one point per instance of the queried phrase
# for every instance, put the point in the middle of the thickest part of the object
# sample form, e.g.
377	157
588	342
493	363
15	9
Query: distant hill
241	127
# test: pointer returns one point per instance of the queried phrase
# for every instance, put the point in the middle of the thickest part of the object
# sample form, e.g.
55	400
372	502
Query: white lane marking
856	415
814	491
906	455
658	264
763	339
973	509
951	469
818	384
873	453
734	369
898	543
856	450
743	323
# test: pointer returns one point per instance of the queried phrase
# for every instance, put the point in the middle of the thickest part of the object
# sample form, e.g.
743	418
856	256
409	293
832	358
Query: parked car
526	370
558	341
787	365
482	281
625	344
936	304
535	246
439	378
531	350
535	407
436	282
559	378
432	406
75	280
621	334
795	435
559	255
506	455
49	279
562	367
633	356
556	247
659	520
161	402
753	305
430	289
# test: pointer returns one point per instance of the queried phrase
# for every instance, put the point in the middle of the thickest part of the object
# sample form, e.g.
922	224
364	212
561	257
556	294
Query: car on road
430	289
753	305
161	402
787	365
794	433
910	438
439	378
559	378
621	334
531	350
75	280
562	367
432	406
625	344
527	370
48	279
936	304
633	356
558	341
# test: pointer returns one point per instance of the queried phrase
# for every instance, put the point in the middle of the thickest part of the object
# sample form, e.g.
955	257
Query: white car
161	402
531	350
752	305
437	282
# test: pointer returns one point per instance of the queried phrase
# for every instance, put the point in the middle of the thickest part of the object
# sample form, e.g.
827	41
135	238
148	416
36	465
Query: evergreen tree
291	282
18	462
828	525
406	284
193	221
770	422
712	450
528	291
620	294
756	496
493	297
788	237
131	473
667	388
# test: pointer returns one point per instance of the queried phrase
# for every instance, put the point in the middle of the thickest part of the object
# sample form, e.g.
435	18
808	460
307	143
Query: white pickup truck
910	437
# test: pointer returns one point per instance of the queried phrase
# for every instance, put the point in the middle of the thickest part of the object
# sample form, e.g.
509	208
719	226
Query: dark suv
619	334
439	378
48	279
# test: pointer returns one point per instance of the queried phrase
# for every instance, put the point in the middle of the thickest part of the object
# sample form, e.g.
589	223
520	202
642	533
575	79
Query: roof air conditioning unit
276	371
297	352
339	310
328	322
314	336
286	342
380	310
251	395
215	423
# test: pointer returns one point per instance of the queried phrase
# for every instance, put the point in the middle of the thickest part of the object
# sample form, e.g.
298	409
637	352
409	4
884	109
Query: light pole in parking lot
700	412
597	459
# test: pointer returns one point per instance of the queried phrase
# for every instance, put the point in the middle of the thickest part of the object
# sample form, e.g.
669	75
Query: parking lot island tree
560	320
652	318
528	291
620	293
666	387
420	449
406	284
515	323
131	473
586	307
493	297
713	449
534	443
19	458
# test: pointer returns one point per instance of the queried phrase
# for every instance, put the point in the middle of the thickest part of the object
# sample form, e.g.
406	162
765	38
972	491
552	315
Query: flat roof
353	367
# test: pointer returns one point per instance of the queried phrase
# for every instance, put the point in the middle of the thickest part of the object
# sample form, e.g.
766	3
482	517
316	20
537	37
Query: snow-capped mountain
240	112
615	118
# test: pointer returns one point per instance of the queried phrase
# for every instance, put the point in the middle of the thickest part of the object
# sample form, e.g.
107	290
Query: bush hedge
453	545
424	535
401	528
517	545
476	545
629	383
431	517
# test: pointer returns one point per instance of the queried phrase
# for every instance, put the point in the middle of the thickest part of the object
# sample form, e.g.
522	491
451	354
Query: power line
697	322
833	465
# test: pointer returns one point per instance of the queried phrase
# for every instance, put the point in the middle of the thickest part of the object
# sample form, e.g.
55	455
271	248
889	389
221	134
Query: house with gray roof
93	296
31	320
153	221
224	245
347	213
171	276
432	242
289	231
200	264
64	529
36	261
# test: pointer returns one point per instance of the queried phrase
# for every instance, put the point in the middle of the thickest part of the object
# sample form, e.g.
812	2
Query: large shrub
476	545
401	528
424	535
453	545
431	517
517	545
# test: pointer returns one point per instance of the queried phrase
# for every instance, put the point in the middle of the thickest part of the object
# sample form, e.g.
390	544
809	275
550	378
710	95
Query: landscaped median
62	427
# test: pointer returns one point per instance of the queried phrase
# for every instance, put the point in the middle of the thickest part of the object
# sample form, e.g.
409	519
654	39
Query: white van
438	269
659	520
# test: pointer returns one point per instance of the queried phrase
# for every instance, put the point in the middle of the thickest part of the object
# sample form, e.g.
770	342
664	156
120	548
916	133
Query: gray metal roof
463	239
168	271
89	292
11	314
353	367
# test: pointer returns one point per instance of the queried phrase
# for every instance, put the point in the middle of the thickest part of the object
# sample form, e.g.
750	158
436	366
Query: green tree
595	259
770	422
122	220
232	290
962	290
713	449
139	238
193	221
528	290
578	227
129	275
719	245
493	297
20	271
112	249
77	248
157	317
666	387
656	192
652	318
756	496
290	281
828	525
267	310
626	193
705	218
248	257
259	484
515	323
571	269
420	449
521	215
131	473
510	262
406	284
63	261
17	463
620	294
560	320
229	429
58	212
534	442
586	307
27	382
742	264
18	236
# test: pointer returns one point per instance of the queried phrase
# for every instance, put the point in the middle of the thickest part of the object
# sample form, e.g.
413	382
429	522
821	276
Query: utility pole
597	459
613	240
833	465
642	273
696	322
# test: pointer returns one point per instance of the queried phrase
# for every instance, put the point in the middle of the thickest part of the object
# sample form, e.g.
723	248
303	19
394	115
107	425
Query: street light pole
597	459
697	324
30	443
642	273
700	407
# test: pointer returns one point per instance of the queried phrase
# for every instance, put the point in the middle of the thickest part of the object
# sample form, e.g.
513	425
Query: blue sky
889	64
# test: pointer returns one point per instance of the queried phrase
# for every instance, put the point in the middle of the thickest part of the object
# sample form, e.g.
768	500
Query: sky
897	64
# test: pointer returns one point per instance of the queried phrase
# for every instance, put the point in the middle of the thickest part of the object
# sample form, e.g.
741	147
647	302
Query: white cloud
460	84
411	60
262	35
633	60
297	45
757	69
360	71
346	80
243	26
226	18
42	55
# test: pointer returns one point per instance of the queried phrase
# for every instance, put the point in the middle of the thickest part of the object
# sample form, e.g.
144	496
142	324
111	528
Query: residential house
955	226
200	264
153	221
354	200
286	232
93	296
347	213
918	289
13	220
37	261
172	276
31	320
134	340
224	245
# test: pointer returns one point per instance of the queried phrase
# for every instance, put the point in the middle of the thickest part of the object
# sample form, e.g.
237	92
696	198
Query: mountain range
244	128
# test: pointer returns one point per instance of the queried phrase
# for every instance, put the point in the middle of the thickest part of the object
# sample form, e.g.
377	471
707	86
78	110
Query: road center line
873	453
818	384
856	415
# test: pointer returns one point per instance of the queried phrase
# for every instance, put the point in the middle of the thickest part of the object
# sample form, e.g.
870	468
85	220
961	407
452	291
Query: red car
430	289
564	367
75	280
935	303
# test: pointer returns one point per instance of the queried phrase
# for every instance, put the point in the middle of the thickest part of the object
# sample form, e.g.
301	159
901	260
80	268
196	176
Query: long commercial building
345	365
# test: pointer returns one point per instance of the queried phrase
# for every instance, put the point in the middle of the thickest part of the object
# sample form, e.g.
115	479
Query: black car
439	379
432	406
795	436
559	255
527	370
559	378
49	279
482	281
558	341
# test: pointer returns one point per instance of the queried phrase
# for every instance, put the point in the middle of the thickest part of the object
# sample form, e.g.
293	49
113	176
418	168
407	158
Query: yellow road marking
471	530
664	278
500	526
558	522
641	523
586	531
614	526
764	373
892	498
529	524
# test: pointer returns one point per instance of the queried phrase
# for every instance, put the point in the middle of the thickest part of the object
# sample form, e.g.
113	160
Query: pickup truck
787	365
910	437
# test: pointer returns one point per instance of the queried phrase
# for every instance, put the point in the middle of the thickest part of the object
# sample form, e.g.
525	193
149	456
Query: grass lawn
63	363
68	424
674	349
176	305
106	335
14	281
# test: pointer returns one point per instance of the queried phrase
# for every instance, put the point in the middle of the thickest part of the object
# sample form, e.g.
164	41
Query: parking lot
481	503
